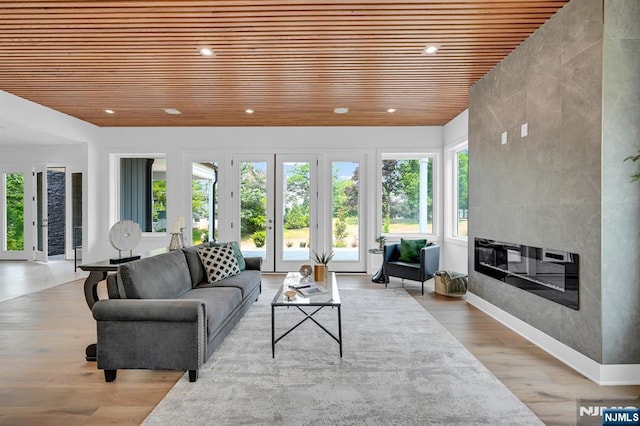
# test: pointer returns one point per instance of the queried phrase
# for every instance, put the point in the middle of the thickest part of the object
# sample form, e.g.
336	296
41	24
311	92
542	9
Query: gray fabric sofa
162	314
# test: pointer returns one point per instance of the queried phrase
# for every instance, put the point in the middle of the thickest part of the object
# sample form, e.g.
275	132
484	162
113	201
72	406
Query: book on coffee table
311	290
297	286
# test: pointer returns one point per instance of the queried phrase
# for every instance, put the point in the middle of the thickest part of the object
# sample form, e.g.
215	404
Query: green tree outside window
15	211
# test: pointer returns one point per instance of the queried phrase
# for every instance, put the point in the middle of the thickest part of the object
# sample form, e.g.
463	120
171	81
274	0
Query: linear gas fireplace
552	274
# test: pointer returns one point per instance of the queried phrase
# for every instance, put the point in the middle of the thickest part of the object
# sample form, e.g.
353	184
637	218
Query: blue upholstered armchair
420	271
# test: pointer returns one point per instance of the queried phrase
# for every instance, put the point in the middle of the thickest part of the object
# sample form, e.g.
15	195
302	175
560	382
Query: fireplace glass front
552	274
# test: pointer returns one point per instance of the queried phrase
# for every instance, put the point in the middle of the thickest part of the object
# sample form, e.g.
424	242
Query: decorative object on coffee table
319	272
322	260
124	235
305	272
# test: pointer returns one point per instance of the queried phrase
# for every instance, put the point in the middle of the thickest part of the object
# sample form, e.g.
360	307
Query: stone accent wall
543	190
620	197
76	203
56	211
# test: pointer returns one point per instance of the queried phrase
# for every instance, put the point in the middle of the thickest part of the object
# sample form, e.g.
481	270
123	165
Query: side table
378	277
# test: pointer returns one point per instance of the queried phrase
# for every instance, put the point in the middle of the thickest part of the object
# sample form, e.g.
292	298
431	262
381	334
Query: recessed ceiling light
341	110
431	49
205	51
109	111
248	111
391	110
172	111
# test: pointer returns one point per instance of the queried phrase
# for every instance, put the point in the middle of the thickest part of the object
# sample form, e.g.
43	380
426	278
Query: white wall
23	159
31	136
26	124
183	144
453	253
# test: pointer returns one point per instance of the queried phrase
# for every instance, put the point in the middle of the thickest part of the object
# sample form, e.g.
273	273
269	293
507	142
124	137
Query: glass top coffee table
326	295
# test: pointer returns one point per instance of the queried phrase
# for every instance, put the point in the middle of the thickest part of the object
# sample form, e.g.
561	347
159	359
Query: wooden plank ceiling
290	61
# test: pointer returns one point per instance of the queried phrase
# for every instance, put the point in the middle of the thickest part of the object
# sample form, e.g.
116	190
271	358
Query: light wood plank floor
44	378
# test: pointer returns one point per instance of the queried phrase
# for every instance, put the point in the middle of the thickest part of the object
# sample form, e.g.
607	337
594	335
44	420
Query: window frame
114	190
4	222
216	207
409	154
451	191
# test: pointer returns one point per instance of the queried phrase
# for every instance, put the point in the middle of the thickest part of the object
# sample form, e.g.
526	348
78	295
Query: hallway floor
20	277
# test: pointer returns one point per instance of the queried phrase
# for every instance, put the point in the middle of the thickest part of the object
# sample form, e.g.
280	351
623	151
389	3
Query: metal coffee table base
308	316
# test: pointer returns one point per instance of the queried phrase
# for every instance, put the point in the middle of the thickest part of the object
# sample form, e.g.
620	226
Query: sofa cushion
165	276
410	250
220	303
246	281
198	274
219	262
236	252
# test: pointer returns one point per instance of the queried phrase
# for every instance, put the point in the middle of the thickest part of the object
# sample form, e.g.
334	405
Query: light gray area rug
400	366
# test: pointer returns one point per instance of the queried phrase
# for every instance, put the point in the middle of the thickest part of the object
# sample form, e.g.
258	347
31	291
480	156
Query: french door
285	209
276	208
41	252
343	204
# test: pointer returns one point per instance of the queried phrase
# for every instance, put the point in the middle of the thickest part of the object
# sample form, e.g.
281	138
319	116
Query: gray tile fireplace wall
553	187
621	198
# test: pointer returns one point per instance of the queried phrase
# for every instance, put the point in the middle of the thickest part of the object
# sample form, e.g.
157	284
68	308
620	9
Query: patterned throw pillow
236	251
219	262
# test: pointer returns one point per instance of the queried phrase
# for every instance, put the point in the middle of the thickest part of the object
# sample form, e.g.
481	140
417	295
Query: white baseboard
602	374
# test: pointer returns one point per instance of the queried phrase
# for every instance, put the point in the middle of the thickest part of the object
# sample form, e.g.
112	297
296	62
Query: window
143	192
407	193
345	210
296	205
253	208
204	201
461	192
14	202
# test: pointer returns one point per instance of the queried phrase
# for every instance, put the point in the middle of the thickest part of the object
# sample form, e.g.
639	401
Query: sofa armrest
254	263
166	310
156	334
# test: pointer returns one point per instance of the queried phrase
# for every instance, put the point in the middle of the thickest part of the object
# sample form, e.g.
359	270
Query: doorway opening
56	213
